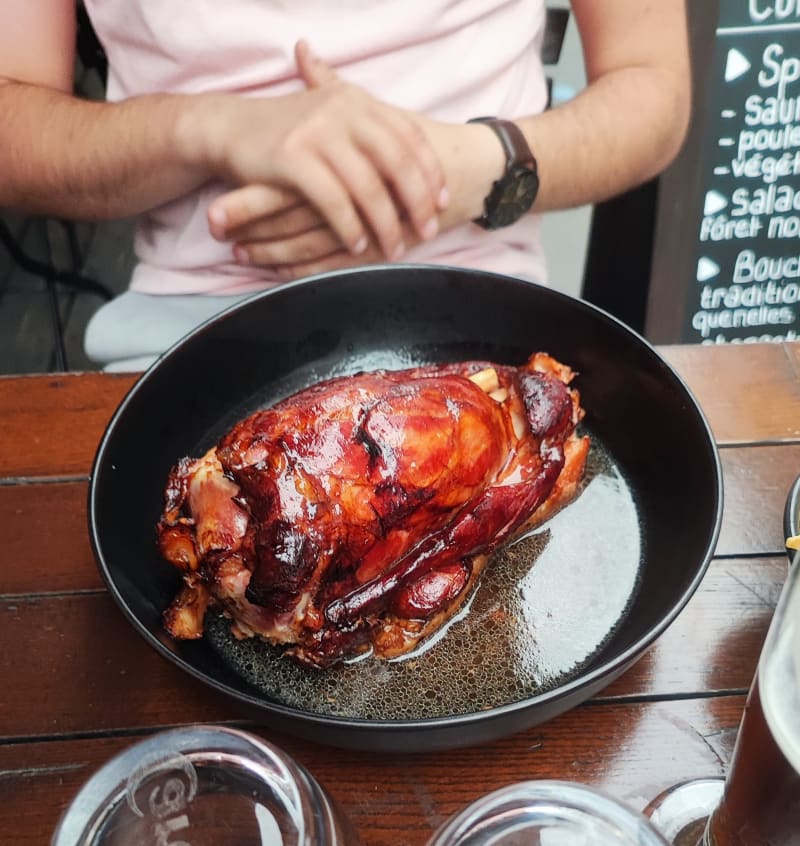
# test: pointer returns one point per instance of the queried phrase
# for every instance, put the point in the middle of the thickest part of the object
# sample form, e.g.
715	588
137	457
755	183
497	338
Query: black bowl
649	425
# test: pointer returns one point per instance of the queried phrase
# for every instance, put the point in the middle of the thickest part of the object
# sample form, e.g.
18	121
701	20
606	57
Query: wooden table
77	684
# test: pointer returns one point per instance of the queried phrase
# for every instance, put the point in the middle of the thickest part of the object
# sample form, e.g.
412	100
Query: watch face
511	197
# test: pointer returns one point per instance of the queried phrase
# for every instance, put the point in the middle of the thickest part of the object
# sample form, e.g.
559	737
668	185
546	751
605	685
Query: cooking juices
544	607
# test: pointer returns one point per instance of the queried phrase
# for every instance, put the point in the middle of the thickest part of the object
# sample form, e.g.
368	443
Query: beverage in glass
759	802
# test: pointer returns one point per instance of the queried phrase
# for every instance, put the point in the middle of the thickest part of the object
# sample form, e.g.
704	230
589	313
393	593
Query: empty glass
203	785
547	813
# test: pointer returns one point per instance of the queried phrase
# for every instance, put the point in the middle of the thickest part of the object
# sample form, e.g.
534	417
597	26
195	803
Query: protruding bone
486	379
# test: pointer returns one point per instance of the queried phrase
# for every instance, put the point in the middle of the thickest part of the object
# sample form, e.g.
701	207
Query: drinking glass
759	802
203	785
547	813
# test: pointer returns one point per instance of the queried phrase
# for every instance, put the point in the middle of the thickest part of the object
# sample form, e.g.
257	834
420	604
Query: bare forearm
628	123
333	145
619	132
80	159
616	134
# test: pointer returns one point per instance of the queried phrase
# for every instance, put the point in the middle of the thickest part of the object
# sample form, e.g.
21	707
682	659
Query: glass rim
107	785
548	795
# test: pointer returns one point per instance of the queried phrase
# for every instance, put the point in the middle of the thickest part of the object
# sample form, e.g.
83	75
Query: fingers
406	161
371	195
295	251
326	191
232	215
235	209
398	149
290	235
285	224
365	184
313	251
365	166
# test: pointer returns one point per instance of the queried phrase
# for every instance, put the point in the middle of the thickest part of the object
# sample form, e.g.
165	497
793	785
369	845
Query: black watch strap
514	144
515	191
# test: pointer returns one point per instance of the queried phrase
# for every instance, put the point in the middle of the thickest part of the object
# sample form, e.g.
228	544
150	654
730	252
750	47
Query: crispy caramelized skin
357	515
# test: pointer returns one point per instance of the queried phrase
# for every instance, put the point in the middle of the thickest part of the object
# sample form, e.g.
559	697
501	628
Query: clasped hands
331	177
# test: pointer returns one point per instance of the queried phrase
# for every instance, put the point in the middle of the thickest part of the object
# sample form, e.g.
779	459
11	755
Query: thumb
314	72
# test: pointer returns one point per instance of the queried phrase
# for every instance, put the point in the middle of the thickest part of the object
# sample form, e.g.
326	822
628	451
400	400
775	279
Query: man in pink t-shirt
263	141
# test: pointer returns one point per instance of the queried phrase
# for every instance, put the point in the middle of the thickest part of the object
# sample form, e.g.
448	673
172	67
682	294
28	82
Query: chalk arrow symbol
706	269
736	66
714	202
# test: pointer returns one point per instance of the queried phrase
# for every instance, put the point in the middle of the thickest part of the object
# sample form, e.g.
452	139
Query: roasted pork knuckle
355	517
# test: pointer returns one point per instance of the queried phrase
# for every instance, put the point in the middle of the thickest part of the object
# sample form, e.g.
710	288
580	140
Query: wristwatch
514	193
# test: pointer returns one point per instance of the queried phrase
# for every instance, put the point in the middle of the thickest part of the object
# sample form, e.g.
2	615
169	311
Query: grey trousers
131	331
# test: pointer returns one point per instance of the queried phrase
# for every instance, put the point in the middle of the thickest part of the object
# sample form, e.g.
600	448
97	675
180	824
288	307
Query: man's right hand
362	165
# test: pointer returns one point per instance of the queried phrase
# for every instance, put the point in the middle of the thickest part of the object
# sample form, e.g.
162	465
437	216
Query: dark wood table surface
78	684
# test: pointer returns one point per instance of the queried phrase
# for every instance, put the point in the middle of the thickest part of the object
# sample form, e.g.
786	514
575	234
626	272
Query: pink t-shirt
453	59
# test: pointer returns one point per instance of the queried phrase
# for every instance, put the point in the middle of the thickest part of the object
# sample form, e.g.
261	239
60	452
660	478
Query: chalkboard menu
747	249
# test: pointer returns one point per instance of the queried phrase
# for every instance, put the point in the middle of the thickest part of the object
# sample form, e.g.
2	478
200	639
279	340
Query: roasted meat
356	516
